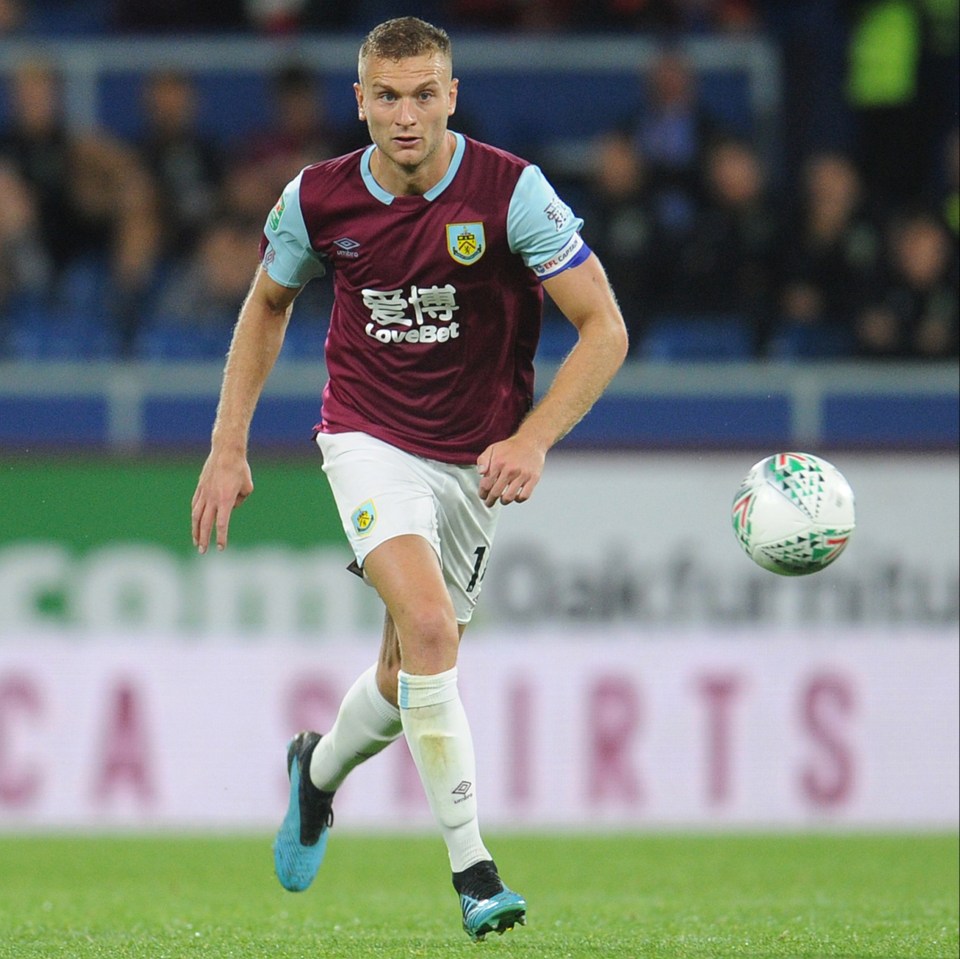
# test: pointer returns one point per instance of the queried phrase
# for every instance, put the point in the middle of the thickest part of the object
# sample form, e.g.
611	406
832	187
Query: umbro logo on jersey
347	247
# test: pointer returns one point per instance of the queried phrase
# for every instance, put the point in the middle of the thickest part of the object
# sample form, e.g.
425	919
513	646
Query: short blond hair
404	37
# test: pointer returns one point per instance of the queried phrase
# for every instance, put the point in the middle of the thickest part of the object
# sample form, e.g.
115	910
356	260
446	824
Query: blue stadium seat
56	334
84	284
304	340
697	338
168	341
66	18
557	338
794	342
72	321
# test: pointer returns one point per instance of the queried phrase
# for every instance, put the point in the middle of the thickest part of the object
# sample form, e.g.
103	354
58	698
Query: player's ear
452	103
358	92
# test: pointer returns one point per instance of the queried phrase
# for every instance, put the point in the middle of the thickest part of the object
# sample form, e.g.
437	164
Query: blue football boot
487	904
302	839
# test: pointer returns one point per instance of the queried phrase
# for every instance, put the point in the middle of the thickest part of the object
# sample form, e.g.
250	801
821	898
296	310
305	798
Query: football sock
437	732
365	725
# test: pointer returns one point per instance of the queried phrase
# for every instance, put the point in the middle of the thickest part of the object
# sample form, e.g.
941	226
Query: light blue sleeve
542	228
288	257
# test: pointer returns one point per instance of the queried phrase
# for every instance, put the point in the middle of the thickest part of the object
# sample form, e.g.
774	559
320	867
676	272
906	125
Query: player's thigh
379	492
406	573
383	493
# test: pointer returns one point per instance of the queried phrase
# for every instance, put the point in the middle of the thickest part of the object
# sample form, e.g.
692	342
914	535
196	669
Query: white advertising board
573	730
639	540
647	539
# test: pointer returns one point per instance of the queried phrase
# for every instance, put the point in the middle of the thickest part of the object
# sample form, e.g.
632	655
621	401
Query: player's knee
430	641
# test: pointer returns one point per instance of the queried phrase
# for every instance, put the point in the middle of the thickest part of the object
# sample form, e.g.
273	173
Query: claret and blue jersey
438	302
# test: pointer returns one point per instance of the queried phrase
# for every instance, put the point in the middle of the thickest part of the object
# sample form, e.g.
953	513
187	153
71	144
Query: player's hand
225	482
510	470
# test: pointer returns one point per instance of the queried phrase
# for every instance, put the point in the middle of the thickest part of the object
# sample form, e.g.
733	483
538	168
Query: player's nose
407	115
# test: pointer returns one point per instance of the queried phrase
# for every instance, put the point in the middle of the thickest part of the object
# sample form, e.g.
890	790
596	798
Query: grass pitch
602	897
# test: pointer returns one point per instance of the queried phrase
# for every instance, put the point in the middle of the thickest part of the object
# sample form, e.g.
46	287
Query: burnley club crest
466	242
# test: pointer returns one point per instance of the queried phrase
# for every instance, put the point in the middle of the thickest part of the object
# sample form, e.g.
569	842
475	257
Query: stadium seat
697	338
66	18
557	338
168	341
50	333
793	342
304	340
83	284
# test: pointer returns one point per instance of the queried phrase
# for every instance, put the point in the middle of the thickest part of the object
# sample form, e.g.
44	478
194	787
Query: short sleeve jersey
437	298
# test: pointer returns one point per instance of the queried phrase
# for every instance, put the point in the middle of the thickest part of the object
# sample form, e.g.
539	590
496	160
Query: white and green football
793	513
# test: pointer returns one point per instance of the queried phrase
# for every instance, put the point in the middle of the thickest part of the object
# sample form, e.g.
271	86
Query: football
793	513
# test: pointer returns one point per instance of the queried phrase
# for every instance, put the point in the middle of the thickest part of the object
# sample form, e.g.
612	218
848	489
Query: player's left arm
512	468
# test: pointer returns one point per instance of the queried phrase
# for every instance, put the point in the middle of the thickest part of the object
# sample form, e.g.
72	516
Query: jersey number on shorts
479	552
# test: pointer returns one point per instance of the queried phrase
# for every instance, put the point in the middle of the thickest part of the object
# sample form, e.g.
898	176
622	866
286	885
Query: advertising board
103	547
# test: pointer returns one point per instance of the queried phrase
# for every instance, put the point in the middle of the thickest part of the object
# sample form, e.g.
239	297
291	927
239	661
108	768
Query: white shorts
382	492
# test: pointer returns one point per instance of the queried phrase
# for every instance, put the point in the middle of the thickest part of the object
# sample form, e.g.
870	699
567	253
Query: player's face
406	104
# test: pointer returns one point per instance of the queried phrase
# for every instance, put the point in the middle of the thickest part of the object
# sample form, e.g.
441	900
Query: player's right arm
288	262
225	481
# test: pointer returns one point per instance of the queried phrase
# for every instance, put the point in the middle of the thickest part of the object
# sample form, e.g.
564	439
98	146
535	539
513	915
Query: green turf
664	896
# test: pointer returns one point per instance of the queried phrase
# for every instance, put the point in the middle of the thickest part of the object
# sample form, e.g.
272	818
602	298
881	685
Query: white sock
366	724
437	732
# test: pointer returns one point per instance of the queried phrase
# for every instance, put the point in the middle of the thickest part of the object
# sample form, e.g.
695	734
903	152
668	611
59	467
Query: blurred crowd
713	256
288	16
147	247
840	246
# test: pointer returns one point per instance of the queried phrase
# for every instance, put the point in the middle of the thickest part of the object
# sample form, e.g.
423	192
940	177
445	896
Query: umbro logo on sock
462	788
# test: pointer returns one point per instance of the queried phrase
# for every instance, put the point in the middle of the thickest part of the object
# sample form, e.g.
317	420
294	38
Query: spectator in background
186	165
205	292
831	253
11	17
35	141
176	16
198	300
275	16
726	265
915	312
300	132
622	229
948	199
115	200
241	189
98	208
708	16
902	84
25	268
327	15
531	15
197	304
811	44
671	130
892	145
673	15
939	75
